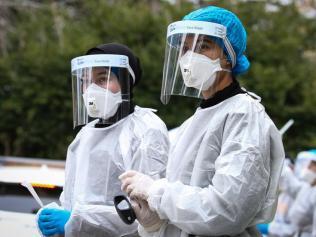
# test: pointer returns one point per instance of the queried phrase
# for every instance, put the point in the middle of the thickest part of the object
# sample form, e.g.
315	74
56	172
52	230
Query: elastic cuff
155	227
155	193
144	232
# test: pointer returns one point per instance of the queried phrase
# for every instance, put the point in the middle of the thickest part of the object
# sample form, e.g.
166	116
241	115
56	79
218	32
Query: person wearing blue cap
224	166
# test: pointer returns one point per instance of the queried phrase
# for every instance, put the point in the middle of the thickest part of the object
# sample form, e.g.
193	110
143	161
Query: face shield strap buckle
230	51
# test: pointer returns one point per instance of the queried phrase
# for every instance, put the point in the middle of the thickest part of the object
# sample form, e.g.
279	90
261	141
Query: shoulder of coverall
247	106
81	127
145	119
243	104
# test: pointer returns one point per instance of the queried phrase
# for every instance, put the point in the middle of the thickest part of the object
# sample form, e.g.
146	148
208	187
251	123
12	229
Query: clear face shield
100	88
194	55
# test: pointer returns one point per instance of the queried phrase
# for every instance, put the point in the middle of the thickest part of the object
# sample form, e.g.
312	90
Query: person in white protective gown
302	212
223	169
116	136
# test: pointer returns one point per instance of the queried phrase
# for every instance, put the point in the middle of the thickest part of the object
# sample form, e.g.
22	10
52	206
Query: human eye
206	46
99	80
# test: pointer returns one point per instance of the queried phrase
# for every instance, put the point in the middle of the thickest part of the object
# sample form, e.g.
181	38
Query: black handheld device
124	209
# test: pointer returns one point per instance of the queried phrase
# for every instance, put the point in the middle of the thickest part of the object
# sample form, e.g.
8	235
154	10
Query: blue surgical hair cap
236	32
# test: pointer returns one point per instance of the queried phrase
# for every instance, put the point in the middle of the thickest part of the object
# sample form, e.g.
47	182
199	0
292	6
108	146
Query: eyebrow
102	72
199	40
207	40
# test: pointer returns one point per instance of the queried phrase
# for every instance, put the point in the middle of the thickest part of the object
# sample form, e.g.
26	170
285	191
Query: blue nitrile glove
52	221
263	228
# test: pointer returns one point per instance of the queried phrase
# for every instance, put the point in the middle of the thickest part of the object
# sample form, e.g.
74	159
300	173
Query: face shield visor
195	53
100	88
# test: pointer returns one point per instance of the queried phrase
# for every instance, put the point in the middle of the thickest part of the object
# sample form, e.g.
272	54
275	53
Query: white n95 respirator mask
101	102
199	71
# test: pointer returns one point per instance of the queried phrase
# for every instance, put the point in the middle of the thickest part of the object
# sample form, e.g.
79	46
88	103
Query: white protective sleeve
97	221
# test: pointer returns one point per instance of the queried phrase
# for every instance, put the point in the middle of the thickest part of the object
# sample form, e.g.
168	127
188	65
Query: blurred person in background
289	186
302	212
295	188
302	161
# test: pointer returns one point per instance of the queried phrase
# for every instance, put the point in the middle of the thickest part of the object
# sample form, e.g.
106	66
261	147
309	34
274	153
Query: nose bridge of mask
191	58
198	56
95	87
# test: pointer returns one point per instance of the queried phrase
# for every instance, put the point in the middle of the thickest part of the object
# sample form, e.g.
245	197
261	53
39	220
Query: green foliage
35	85
280	72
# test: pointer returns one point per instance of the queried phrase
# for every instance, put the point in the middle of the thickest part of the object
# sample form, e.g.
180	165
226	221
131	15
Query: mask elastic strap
132	73
230	51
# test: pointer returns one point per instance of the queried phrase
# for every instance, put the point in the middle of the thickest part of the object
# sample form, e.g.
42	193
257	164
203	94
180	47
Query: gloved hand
52	221
136	184
263	228
147	218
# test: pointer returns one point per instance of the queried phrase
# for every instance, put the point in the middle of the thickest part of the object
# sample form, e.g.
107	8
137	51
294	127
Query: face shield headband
202	28
102	60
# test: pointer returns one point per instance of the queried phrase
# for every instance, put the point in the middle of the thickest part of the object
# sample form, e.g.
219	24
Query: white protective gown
97	157
222	174
302	211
